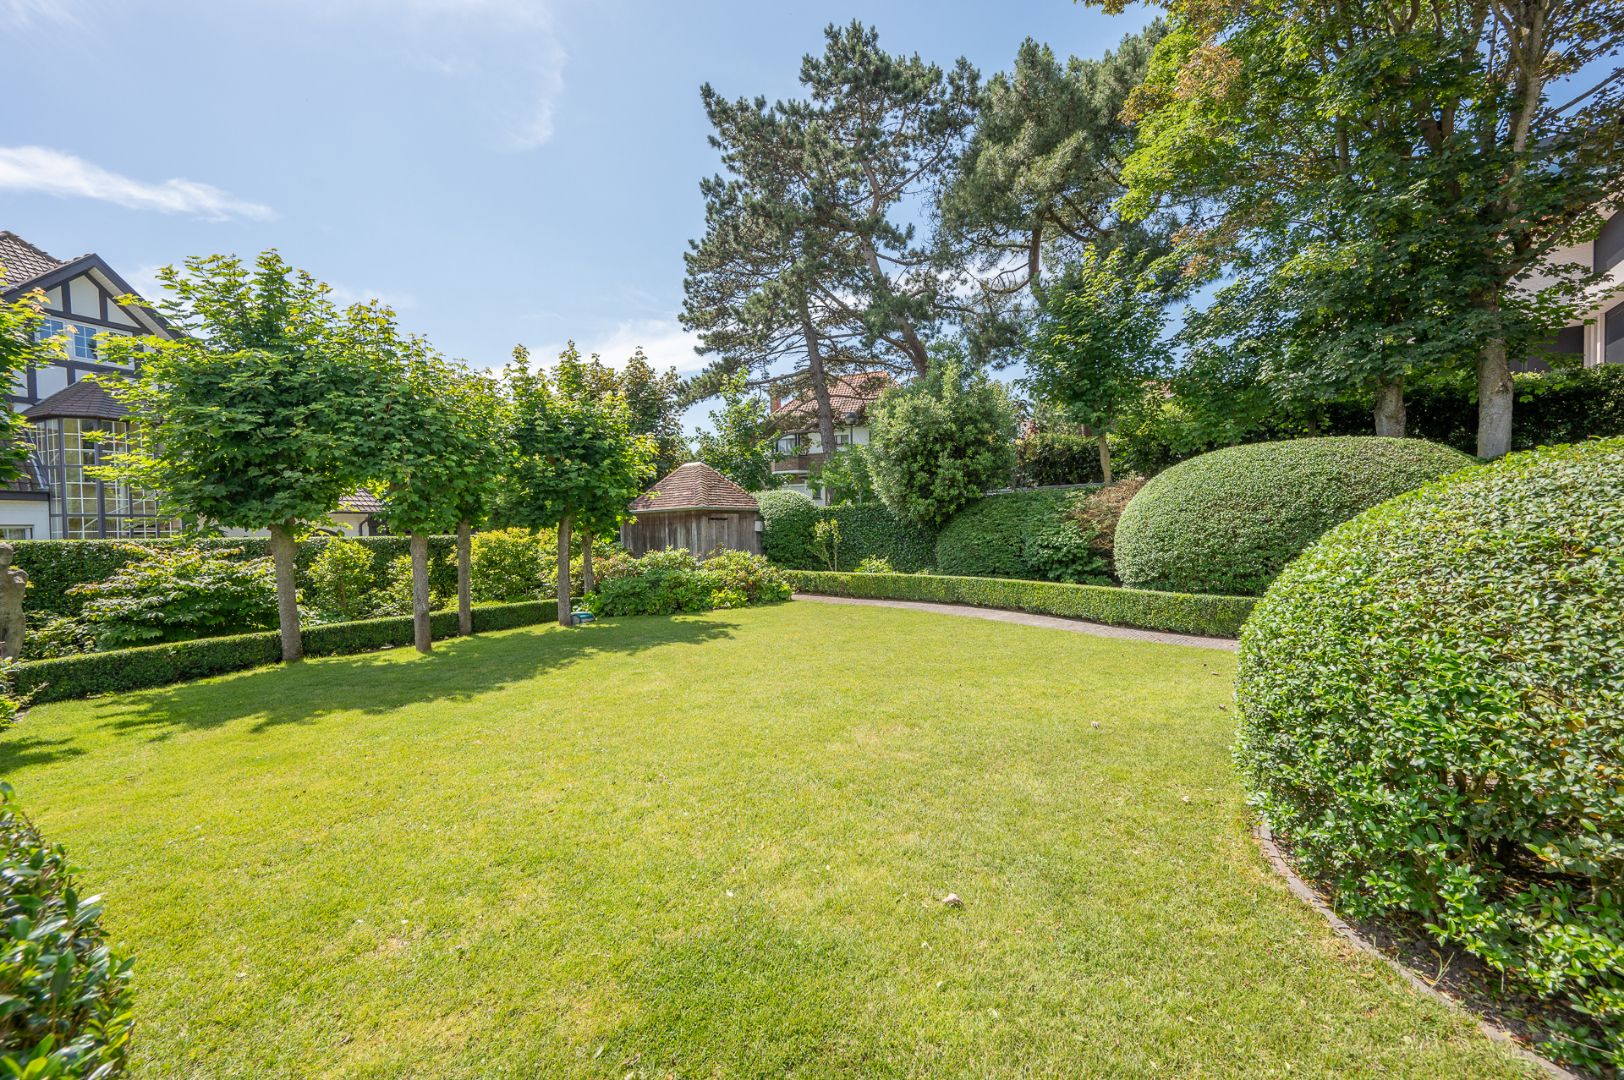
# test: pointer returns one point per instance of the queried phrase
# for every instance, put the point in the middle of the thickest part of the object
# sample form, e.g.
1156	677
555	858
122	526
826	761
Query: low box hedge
159	665
1180	613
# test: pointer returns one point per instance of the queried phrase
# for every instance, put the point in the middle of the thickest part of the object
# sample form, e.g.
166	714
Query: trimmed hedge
159	665
1022	534
1228	521
1432	713
1212	616
867	531
55	566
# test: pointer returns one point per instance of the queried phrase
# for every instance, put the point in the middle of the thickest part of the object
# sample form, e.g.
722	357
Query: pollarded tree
259	415
1099	343
937	444
435	456
571	455
741	447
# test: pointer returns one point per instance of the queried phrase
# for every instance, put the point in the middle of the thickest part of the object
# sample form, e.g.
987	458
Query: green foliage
654	402
55	566
57	635
260	413
19	324
1431	711
511	565
1099	512
65	994
866	531
674	581
941	441
343	581
846	477
1047	458
1228	521
394	597
1181	613
826	542
741	446
1099	342
874	565
1021	534
174	594
160	665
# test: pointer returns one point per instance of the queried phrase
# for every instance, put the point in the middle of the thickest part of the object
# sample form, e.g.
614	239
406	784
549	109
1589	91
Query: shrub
867	530
1432	713
1020	534
343	581
1098	513
1214	616
159	665
65	995
669	582
395	598
56	566
826	541
173	594
874	565
940	441
1226	522
58	635
1045	458
510	565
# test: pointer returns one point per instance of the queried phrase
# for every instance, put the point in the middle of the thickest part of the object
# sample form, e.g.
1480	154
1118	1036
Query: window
16	532
82	506
81	340
1613	343
1568	341
1610	243
789	445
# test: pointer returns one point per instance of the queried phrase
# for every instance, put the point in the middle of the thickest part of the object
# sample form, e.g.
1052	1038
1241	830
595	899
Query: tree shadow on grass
458	670
19	753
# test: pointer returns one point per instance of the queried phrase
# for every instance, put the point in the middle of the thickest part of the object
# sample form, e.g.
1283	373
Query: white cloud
664	342
53	172
19	13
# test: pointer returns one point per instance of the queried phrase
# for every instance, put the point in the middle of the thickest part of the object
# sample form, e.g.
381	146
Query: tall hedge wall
1179	613
1021	534
869	531
55	566
159	665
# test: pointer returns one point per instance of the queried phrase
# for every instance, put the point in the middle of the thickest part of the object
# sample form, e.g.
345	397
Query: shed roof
694	486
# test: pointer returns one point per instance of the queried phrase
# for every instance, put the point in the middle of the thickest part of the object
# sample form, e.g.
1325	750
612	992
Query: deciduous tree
741	446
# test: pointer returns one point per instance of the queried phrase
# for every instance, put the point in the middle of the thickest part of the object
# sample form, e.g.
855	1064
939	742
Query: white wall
34	513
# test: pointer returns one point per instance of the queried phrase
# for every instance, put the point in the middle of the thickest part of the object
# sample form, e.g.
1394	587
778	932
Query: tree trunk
465	579
422	635
1103	441
1389	410
1495	396
819	379
564	571
588	582
283	551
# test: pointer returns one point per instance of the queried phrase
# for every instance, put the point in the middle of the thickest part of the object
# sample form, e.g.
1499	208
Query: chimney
776	398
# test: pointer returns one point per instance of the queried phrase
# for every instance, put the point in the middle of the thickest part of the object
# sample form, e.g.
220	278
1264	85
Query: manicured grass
711	846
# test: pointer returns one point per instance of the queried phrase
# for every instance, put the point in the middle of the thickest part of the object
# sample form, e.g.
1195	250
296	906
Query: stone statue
13	584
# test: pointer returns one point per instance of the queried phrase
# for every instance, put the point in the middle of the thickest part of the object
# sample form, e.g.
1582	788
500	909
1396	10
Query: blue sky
501	171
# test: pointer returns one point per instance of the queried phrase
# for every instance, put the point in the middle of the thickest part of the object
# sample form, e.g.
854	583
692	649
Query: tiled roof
695	486
22	262
361	501
852	393
82	400
28	481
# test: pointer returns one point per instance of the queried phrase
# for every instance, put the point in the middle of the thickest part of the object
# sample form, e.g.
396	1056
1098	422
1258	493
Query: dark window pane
1610	243
1613	349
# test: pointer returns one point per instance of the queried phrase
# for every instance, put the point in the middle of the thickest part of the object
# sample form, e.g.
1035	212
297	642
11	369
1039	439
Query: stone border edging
1305	892
1025	618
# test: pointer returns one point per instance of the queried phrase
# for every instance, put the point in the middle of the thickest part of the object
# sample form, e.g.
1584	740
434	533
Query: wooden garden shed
697	508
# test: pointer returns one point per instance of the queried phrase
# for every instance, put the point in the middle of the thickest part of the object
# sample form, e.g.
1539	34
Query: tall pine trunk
283	553
588	582
422	635
564	571
1389	411
1103	441
819	378
1495	396
465	579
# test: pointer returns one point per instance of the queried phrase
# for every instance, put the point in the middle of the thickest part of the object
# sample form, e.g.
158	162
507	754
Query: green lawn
711	846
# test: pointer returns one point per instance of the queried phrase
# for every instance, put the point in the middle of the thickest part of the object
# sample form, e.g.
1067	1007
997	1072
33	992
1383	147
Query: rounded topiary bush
1431	708
787	518
1228	521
